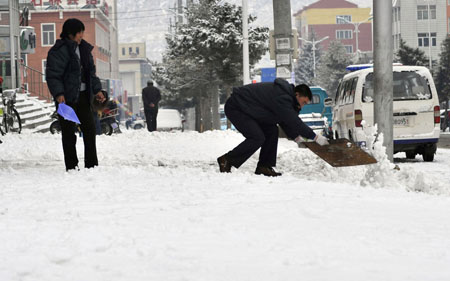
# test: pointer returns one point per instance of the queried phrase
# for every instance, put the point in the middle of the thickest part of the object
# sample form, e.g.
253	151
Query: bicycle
9	117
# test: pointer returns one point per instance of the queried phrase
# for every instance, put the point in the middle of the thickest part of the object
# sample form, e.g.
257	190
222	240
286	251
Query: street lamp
356	25
313	43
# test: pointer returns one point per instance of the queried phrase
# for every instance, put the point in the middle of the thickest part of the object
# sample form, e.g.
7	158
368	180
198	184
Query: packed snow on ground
158	209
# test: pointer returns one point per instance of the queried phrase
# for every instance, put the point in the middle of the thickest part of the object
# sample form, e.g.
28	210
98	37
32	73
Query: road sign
283	72
283	59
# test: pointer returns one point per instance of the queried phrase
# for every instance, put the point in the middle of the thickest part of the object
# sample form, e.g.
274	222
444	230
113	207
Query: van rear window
407	85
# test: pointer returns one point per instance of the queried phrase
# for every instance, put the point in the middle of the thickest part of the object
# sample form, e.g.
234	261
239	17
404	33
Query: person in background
256	110
150	98
71	78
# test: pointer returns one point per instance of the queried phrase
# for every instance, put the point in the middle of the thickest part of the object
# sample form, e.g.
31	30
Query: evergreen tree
409	56
332	67
304	68
206	53
443	76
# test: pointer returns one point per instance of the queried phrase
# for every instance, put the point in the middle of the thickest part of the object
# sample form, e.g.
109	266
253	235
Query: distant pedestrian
150	98
71	79
255	110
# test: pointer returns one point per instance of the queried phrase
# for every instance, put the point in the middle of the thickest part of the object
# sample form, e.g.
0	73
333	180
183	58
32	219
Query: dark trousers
69	138
150	117
257	135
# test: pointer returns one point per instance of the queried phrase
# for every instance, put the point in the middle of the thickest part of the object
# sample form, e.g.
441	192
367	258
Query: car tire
55	128
138	127
106	129
428	154
410	154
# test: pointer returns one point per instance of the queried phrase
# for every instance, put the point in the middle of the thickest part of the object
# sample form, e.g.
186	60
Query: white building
134	67
413	20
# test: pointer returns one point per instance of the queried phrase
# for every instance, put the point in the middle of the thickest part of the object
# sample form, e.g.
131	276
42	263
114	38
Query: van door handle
405	113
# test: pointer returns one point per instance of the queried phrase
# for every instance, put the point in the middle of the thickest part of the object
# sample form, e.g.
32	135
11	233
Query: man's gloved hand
321	140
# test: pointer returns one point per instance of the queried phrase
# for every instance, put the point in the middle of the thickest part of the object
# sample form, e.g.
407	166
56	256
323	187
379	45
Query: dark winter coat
272	103
63	71
151	94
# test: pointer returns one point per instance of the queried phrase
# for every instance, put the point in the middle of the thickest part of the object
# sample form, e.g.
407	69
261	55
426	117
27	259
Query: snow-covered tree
443	76
206	53
410	56
304	68
332	67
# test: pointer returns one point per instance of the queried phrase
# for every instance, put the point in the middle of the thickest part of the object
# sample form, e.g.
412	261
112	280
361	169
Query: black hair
71	27
149	83
304	91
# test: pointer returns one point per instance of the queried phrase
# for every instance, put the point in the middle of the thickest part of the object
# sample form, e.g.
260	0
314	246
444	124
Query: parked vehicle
416	109
9	117
108	123
317	122
169	120
135	123
317	105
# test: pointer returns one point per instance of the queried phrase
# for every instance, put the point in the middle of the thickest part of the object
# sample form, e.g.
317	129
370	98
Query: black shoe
224	164
266	171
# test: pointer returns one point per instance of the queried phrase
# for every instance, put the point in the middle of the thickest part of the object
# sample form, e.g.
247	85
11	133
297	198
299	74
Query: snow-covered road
158	209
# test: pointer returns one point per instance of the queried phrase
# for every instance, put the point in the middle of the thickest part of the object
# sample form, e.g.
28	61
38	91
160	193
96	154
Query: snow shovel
68	113
341	153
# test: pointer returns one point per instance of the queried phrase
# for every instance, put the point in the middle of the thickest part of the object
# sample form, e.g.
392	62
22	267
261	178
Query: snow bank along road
158	209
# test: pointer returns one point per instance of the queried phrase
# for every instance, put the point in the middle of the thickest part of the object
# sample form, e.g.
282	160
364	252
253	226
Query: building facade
339	20
421	24
47	19
134	66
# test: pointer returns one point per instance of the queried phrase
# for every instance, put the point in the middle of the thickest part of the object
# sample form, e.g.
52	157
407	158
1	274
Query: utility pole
283	37
180	11
13	26
245	60
429	36
356	25
383	76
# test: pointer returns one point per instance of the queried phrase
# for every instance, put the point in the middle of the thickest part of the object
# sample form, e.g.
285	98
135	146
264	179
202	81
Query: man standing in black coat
256	110
71	79
150	98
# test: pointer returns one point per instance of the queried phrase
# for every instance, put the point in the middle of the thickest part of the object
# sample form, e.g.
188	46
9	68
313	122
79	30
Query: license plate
402	121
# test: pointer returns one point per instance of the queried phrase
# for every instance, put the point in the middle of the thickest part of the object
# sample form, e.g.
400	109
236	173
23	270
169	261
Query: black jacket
272	103
63	71
151	94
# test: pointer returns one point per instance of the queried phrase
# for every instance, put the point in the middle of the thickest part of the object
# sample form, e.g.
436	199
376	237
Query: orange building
339	20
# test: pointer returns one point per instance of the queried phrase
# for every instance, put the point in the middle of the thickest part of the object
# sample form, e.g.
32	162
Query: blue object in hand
68	113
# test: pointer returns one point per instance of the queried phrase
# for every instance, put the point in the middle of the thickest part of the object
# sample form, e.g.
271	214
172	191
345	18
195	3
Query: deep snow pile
158	209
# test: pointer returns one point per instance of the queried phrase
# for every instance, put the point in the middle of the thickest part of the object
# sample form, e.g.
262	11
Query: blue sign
268	74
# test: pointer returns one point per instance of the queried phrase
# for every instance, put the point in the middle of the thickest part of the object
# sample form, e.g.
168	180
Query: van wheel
411	154
428	153
138	127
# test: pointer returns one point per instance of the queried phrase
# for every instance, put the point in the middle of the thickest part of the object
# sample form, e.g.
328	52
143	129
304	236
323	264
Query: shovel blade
341	153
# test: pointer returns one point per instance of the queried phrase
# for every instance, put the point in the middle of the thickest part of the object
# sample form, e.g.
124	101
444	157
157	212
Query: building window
348	49
44	66
343	19
344	34
48	34
130	50
424	40
137	50
123	51
422	12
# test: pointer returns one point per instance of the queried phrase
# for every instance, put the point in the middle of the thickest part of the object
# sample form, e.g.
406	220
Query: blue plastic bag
68	113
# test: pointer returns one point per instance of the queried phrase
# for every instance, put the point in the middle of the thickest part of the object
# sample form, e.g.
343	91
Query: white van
416	109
